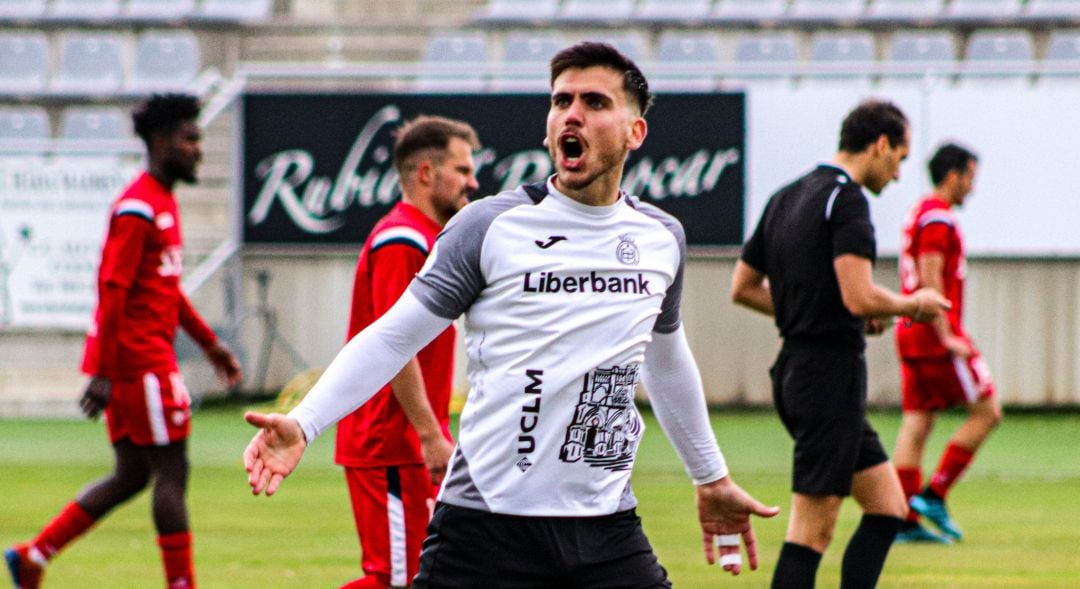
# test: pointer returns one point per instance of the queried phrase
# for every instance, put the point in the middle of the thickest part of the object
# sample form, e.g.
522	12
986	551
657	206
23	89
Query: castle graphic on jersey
606	426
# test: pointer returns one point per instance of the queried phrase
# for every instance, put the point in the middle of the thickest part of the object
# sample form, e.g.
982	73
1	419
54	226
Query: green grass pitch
1019	506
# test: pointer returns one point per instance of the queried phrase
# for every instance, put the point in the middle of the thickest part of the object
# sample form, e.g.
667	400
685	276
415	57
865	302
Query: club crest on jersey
627	251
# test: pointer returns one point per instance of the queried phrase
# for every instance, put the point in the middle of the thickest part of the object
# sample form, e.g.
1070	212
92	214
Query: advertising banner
52	223
317	167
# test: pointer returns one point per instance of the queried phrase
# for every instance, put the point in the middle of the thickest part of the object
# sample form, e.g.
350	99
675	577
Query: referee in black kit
809	264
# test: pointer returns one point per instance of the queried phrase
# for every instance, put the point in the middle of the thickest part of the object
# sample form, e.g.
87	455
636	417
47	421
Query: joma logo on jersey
530	416
550	282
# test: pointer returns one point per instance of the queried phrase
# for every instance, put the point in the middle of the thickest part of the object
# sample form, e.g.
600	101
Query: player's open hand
96	396
274	452
225	363
724	510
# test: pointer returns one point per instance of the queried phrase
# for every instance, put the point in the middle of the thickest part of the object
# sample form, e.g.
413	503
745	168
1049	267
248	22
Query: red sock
911	481
176	556
367	582
69	524
953	462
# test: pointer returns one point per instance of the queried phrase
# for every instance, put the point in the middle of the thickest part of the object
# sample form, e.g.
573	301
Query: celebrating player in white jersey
570	291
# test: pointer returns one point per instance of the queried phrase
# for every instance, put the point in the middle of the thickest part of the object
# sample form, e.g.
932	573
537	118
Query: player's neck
855	164
601	192
162	177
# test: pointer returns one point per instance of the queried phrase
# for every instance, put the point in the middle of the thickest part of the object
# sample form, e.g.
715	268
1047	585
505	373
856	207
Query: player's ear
638	130
425	172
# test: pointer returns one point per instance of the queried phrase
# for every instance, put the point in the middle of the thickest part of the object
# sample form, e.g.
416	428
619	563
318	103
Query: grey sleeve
452	278
670	310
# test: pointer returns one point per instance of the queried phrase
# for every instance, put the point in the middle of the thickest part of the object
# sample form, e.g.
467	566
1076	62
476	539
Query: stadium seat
165	61
22	9
827	9
90	63
912	55
519	10
24	125
163	10
525	62
998	58
846	57
982	9
94	123
1061	64
83	9
755	11
605	11
454	62
684	62
1052	9
633	44
904	10
666	11
765	59
24	62
235	10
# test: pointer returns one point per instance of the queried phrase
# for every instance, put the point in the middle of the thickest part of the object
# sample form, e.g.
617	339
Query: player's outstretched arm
274	451
724	511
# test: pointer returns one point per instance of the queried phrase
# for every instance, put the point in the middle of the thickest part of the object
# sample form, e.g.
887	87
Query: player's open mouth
571	148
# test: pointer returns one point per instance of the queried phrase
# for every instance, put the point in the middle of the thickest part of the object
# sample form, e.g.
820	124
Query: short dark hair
870	120
590	54
427	132
947	158
163	113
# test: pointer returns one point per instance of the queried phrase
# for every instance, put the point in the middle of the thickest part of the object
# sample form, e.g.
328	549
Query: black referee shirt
806	225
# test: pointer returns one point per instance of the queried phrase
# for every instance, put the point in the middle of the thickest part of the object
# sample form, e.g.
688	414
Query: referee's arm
750	287
863	298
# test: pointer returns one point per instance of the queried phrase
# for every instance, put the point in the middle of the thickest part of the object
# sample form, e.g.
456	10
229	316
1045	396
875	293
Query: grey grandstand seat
519	10
672	10
454	62
982	9
1052	9
27	9
904	9
94	123
596	10
630	43
749	10
235	10
83	9
90	63
165	61
1061	64
827	9
999	58
847	57
685	62
765	58
159	9
24	62
24	124
525	61
913	55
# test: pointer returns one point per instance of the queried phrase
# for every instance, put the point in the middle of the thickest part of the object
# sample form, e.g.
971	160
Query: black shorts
471	548
820	394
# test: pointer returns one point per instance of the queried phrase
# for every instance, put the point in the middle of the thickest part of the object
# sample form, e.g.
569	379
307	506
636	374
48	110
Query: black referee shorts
820	394
468	548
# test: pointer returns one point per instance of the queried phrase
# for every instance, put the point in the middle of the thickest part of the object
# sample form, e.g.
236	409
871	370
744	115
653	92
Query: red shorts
392	506
939	383
154	410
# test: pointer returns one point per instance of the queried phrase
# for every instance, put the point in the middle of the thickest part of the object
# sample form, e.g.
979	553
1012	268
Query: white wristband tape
730	559
727	539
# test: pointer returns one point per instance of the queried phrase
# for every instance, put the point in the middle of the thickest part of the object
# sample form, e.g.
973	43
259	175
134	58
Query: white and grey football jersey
560	300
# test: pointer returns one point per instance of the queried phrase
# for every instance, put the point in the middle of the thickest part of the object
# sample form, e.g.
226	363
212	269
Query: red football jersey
931	227
378	433
140	302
